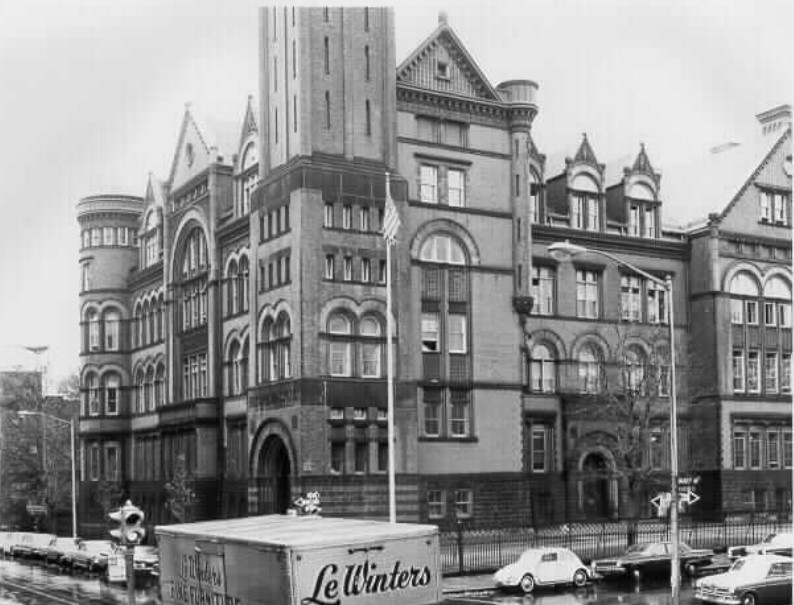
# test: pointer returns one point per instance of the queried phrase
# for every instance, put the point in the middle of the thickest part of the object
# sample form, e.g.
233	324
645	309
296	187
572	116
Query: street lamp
70	423
565	250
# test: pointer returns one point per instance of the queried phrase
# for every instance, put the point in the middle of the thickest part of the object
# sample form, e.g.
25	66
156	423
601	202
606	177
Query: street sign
117	569
36	509
688	496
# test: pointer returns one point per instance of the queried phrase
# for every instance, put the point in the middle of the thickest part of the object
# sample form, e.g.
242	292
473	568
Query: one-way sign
689	497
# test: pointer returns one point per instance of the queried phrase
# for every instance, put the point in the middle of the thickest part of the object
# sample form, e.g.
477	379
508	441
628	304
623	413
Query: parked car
28	545
752	580
145	559
91	555
7	540
773	544
58	548
651	558
542	567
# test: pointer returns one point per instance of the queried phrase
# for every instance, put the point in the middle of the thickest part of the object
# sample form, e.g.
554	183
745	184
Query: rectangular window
456	133
363	218
430	333
340	358
464	506
460	413
96	237
326	55
773	449
751	307
770	314
456	188
579	211
122	236
457	333
432	412
753	372
656	309
739	449
634	221
337	457
370	358
347	217
737	311
785	373
360	414
592	214
112	396
107	236
787	450
347	268
329	266
586	294
436	505
784	315
770	372
366	270
383	457
630	289
542	290
428	184
738	370
755	449
336	414
361	458
540	449
112	334
650	222
93	463
765	202
381	271
656	449
112	456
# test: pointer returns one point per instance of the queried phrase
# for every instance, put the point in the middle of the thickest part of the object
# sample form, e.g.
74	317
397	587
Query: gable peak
642	163
585	152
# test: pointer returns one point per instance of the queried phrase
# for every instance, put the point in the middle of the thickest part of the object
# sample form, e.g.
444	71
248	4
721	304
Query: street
36	585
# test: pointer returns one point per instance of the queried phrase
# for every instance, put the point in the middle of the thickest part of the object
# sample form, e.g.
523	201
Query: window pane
430	333
457	333
428	184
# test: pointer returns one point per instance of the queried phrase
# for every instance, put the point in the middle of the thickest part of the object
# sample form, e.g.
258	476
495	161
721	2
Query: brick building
236	314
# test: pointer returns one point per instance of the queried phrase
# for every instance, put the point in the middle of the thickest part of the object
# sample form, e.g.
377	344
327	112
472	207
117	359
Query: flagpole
390	378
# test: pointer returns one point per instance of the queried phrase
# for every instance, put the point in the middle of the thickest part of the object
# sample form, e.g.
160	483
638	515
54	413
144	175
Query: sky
92	94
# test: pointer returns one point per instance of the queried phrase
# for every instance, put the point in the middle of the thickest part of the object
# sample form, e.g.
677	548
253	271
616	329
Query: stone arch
738	267
123	372
450	227
192	218
585	180
591	338
272	465
776	272
546	336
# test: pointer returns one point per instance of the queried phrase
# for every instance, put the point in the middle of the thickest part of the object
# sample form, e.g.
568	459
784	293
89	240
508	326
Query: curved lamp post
70	423
563	251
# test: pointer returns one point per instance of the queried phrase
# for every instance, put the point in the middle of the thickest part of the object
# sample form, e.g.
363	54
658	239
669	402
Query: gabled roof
155	191
618	169
250	125
585	153
215	134
557	162
713	182
465	77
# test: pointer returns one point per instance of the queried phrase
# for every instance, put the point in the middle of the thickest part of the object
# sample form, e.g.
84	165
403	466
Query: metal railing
466	550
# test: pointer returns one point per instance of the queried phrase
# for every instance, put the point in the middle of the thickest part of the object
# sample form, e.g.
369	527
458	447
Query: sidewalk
459	585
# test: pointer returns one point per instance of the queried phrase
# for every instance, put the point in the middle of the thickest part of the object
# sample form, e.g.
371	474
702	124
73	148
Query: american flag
391	219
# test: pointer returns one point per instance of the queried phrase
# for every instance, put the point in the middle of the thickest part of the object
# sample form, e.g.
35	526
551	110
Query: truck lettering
362	579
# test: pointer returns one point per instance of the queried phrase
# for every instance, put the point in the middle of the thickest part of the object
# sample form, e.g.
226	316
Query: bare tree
180	492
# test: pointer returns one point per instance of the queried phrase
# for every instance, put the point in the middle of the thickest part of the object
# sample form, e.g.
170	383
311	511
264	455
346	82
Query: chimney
775	119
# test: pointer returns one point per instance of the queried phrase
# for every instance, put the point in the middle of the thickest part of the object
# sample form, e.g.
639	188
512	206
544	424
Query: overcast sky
92	94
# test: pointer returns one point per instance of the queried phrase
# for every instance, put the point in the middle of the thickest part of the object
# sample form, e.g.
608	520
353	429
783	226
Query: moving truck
299	560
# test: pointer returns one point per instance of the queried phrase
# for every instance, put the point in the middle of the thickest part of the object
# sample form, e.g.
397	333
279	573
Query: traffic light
130	519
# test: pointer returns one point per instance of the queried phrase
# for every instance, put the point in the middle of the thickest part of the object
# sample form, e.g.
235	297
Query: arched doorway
273	480
595	487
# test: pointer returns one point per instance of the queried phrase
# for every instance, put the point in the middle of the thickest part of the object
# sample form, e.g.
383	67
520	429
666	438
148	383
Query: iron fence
466	550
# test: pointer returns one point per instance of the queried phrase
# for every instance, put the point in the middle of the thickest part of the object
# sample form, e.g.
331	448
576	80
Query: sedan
542	567
651	558
773	544
91	555
58	548
752	580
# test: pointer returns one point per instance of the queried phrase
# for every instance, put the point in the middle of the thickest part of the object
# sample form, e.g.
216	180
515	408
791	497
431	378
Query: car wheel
527	583
579	578
749	598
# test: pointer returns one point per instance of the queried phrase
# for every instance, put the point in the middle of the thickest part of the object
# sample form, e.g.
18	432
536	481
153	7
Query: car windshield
737	565
96	547
769	538
638	548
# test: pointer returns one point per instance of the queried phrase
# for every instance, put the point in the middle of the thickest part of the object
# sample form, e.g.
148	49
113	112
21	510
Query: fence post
459	525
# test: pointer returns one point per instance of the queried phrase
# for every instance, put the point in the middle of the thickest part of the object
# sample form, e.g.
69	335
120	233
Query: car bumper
717	598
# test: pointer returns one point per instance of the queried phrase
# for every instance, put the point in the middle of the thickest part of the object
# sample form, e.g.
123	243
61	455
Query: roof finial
188	105
442	17
584	136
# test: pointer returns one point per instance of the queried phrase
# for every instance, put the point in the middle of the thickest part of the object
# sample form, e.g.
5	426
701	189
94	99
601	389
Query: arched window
233	369
112	322
442	248
744	298
160	319
542	369
194	254
589	366
265	351
154	313
243	283
149	388
193	293
777	302
340	350
232	295
92	319
140	391
371	347
92	394
145	320
585	205
159	385
283	346
633	369
112	386
137	326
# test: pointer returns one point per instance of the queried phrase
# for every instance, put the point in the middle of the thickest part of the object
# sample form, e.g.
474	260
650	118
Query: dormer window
774	207
442	70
